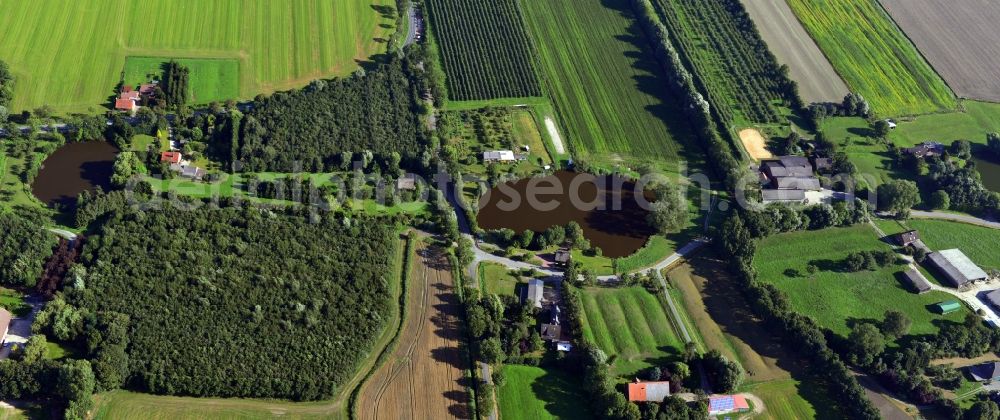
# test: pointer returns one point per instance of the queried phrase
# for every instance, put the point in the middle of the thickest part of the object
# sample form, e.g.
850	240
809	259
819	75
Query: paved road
414	24
65	234
964	218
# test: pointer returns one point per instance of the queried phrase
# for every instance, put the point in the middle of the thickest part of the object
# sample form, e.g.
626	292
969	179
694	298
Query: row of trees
176	81
6	89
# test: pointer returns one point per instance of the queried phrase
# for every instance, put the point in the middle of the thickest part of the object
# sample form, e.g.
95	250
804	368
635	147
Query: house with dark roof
916	281
562	257
648	391
795	166
906	238
957	268
925	149
989	371
823	165
550	332
147	89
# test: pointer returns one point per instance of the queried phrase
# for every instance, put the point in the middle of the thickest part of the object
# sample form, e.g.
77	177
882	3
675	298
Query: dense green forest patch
241	302
24	247
373	111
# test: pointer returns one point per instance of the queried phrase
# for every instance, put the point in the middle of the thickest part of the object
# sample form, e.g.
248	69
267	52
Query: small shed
564	346
947	307
916	281
407	183
562	257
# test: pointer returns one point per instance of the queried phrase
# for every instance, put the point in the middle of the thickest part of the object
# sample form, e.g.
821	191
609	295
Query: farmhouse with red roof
171	157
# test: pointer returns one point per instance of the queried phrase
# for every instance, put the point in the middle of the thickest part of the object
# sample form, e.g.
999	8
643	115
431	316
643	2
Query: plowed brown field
423	378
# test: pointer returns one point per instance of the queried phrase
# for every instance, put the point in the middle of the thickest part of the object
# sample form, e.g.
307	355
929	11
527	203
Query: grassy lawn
70	54
658	248
631	326
495	279
979	243
874	57
837	299
55	351
977	119
609	96
13	301
211	79
783	400
537	393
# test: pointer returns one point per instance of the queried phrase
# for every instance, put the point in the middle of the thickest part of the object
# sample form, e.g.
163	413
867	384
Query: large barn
957	268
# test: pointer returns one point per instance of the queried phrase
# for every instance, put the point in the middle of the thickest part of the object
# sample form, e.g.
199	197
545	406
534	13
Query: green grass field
979	243
70	54
631	326
608	93
874	57
211	79
837	299
540	394
495	279
783	401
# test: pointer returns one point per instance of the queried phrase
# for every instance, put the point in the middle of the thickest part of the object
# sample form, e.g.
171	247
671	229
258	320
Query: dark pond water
611	218
989	170
72	169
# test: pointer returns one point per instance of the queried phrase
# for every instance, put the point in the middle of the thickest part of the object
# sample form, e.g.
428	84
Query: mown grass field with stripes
874	57
484	48
607	88
70	54
631	326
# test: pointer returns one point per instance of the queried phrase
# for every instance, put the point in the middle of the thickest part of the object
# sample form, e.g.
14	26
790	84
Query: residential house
823	165
795	166
906	238
725	404
171	157
563	257
128	99
499	156
917	282
408	182
925	149
147	89
648	391
989	371
550	332
188	171
957	268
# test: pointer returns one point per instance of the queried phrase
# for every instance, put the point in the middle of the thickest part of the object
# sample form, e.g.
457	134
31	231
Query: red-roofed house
648	391
724	404
123	104
171	157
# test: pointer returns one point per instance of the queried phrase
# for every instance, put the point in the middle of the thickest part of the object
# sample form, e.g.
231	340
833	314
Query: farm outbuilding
906	238
725	404
783	196
957	268
535	292
989	371
916	281
947	307
648	391
993	298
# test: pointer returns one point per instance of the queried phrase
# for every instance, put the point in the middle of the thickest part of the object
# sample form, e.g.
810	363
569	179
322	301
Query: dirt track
755	144
789	41
423	378
959	39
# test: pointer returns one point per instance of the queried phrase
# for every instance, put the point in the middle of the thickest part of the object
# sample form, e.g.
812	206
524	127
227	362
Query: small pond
72	169
612	218
989	170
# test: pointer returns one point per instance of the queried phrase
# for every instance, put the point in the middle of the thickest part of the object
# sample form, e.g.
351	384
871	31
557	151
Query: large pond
72	169
989	170
612	218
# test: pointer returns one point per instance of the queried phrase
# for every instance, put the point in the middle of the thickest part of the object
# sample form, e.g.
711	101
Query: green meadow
70	54
631	326
211	79
979	243
541	394
835	298
874	57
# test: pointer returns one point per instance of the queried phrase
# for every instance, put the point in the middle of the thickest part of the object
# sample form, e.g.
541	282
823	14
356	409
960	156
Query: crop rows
484	48
874	57
722	45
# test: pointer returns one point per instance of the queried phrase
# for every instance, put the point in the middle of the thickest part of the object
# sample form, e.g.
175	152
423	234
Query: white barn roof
959	269
536	290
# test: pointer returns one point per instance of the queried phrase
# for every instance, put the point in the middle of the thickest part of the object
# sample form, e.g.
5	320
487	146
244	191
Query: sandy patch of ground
557	142
755	144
